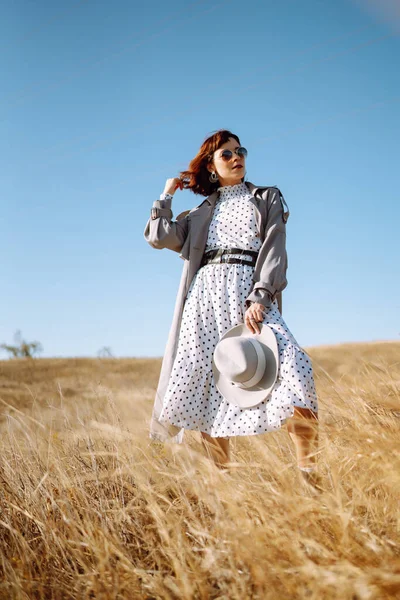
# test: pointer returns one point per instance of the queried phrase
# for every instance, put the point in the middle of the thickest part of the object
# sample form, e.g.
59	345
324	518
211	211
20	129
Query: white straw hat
245	365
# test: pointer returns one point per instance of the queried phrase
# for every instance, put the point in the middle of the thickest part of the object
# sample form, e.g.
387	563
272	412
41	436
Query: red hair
197	176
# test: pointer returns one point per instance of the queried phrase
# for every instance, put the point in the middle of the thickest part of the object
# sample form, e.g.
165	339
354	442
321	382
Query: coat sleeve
270	270
161	231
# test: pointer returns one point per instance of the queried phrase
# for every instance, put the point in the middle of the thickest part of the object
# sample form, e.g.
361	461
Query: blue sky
101	102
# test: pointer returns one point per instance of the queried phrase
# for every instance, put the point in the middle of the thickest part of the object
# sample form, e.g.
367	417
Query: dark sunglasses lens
226	154
242	151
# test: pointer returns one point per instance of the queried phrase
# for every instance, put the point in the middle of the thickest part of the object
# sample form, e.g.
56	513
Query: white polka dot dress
215	303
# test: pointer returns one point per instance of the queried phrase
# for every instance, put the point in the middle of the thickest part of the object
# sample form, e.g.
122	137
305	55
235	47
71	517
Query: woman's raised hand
172	185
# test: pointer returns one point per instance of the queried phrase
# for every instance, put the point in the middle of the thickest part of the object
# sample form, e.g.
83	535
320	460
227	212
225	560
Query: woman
221	290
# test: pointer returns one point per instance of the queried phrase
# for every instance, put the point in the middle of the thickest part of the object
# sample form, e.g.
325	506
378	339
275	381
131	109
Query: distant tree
21	348
105	352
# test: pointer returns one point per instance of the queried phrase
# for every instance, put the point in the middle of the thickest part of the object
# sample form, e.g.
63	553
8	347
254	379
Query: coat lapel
200	219
259	200
256	201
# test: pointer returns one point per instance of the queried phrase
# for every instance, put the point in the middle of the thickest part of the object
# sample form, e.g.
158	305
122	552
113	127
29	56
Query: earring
213	178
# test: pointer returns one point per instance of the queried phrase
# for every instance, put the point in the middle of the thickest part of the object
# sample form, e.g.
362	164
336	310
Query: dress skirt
215	302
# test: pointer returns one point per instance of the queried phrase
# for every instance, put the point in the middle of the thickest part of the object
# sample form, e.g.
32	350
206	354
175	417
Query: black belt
219	256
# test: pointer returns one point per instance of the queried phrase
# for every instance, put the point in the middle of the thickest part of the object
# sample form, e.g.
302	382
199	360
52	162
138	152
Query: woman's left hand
254	314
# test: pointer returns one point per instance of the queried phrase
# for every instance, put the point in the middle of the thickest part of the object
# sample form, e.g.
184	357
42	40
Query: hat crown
238	359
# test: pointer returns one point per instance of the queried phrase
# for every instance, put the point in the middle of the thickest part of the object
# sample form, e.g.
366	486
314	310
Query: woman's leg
303	430
217	449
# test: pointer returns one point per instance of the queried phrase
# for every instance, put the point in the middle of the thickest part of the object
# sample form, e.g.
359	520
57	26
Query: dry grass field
89	508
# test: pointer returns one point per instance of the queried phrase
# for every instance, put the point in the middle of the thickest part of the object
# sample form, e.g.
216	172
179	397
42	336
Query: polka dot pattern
215	303
233	224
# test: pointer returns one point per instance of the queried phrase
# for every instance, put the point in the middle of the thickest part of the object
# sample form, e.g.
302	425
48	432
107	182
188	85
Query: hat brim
248	397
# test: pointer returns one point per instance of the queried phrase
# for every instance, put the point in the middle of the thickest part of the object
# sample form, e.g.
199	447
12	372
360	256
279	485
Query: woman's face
230	172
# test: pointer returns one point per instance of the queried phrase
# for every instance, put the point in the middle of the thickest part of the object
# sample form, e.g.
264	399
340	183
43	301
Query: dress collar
212	199
238	187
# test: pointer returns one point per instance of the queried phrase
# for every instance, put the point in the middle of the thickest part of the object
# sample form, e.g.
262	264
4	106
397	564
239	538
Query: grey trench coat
187	235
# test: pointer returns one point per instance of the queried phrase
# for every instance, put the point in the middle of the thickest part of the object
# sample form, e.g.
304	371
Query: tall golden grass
91	509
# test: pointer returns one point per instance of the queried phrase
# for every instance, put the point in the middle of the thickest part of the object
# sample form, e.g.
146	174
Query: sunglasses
227	154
